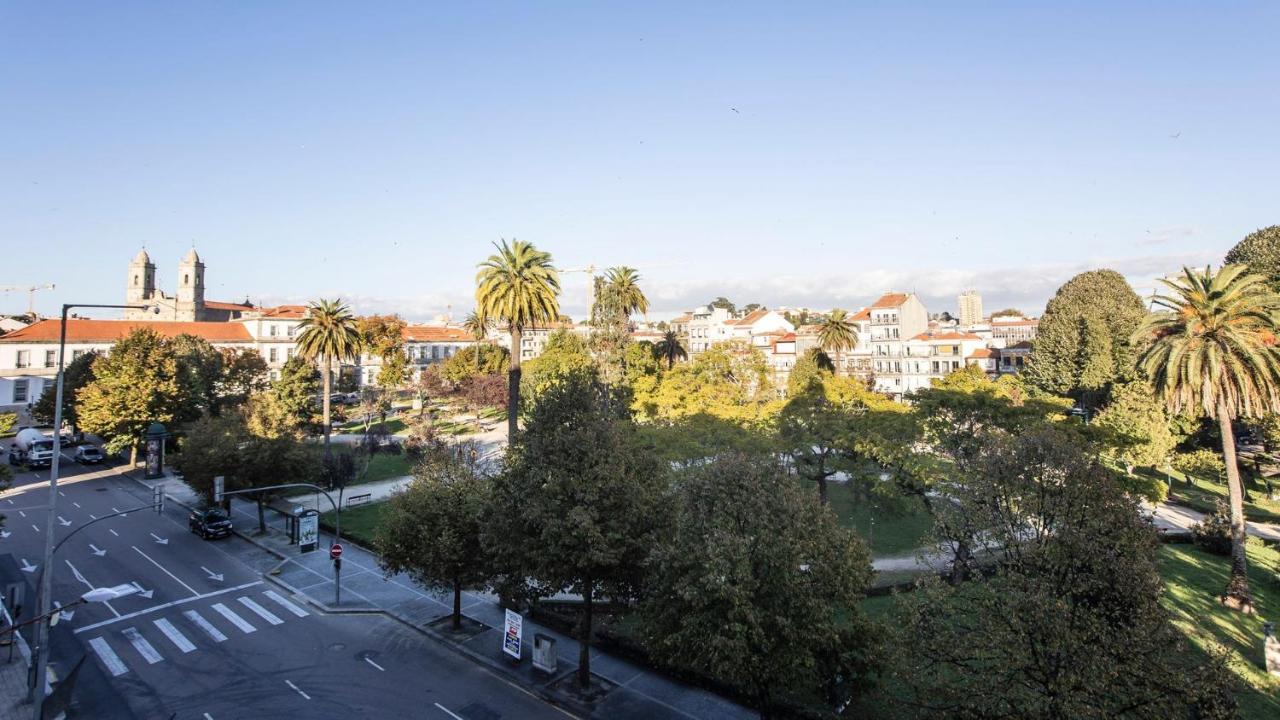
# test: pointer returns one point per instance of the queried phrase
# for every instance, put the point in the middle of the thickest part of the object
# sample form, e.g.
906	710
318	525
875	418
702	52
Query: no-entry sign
335	551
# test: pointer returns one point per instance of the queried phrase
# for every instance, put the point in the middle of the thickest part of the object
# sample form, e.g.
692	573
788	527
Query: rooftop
109	331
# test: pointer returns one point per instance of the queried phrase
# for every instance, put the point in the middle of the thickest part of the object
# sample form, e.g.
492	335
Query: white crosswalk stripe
175	636
233	618
278	599
108	657
140	644
261	612
198	620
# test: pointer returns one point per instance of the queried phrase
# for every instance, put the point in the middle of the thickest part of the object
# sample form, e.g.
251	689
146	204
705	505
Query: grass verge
358	523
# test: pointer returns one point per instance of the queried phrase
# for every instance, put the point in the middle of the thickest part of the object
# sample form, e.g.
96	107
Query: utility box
544	653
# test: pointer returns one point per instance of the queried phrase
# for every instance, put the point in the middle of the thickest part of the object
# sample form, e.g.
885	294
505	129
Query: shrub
1214	532
1202	463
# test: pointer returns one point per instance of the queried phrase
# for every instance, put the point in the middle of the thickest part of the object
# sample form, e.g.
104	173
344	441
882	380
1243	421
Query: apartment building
1011	330
894	319
708	326
931	356
970	307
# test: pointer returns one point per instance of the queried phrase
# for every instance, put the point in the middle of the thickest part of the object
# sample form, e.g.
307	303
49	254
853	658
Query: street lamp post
39	650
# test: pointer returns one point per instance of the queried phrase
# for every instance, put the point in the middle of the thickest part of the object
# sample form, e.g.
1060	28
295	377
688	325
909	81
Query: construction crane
590	270
31	294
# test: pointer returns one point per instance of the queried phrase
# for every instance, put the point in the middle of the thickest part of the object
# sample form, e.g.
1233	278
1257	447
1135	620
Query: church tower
140	286
190	287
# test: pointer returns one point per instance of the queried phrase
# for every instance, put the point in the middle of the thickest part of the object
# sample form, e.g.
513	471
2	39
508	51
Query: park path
1169	517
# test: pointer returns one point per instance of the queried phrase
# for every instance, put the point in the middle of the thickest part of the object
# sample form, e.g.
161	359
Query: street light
95	595
39	656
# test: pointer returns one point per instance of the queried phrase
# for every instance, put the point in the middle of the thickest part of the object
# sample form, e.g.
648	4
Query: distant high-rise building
970	308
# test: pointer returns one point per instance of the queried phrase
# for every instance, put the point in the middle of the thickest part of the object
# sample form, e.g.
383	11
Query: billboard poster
512	635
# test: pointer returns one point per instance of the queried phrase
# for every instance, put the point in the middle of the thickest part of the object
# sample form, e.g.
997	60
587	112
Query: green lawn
893	531
383	466
1202	494
358	523
1193	579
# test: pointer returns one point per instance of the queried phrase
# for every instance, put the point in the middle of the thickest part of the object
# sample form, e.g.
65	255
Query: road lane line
166	572
60	492
371	662
175	636
163	606
233	618
450	713
73	502
295	687
207	716
33	527
261	612
23	514
140	644
113	532
108	657
204	625
282	602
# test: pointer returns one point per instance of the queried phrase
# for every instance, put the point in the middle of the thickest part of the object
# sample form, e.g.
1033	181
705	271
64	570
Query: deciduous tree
75	375
136	384
244	373
1260	250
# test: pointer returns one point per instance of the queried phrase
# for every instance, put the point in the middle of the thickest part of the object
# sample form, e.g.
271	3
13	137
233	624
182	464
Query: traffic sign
335	551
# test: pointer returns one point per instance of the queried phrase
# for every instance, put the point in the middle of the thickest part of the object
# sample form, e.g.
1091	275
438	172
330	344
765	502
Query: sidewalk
1179	518
638	692
14	663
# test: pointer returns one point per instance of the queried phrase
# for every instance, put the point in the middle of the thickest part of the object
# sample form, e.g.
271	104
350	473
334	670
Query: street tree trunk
584	639
513	385
324	402
1237	595
457	604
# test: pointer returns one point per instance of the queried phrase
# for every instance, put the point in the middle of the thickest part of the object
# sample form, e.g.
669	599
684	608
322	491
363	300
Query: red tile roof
983	353
88	331
435	333
890	300
750	318
290	312
682	318
863	314
234	307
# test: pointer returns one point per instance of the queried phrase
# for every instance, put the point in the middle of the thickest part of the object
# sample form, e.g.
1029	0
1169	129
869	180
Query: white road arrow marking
28	567
4	534
144	593
64	614
159	540
89	585
96	551
63	521
212	575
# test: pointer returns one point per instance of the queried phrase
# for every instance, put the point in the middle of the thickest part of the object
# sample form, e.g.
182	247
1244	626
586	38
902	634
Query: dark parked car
88	454
210	523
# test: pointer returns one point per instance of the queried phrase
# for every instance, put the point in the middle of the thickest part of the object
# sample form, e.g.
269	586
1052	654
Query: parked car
88	455
210	523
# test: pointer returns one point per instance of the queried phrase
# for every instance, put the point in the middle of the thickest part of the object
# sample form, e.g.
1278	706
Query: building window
289	331
288	354
75	355
24	359
20	390
274	375
273	330
50	358
273	355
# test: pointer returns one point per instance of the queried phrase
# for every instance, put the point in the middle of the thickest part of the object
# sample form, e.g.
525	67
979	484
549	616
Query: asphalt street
207	638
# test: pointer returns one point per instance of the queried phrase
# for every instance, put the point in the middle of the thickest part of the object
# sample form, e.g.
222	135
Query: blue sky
786	153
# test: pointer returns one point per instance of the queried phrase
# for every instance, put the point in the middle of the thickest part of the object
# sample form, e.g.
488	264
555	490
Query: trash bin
544	653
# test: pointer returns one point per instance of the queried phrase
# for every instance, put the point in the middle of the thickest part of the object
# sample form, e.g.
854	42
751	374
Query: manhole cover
338	646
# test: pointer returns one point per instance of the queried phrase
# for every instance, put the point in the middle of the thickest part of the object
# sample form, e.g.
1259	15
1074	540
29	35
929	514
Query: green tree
727	381
7	421
758	586
1213	349
75	375
813	365
478	326
200	371
625	284
564	355
518	286
1067	622
244	373
671	348
394	372
1260	250
723	302
577	505
136	384
471	361
383	336
288	407
1140	424
432	529
814	423
836	334
611	328
328	333
1083	342
1008	312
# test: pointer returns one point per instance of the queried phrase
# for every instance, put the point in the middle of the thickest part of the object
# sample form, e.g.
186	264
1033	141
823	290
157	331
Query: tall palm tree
517	286
626	286
1213	346
328	333
478	325
837	335
670	348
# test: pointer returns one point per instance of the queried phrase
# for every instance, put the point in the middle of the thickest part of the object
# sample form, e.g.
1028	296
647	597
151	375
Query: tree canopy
1260	250
1083	343
138	383
75	375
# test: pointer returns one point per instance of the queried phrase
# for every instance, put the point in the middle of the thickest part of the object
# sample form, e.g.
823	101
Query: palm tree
670	348
1213	346
836	334
626	285
517	286
329	332
478	325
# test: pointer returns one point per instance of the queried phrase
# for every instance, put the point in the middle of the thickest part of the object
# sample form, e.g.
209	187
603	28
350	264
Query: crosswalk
182	633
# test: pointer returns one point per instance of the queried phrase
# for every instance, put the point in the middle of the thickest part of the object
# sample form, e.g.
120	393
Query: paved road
208	639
